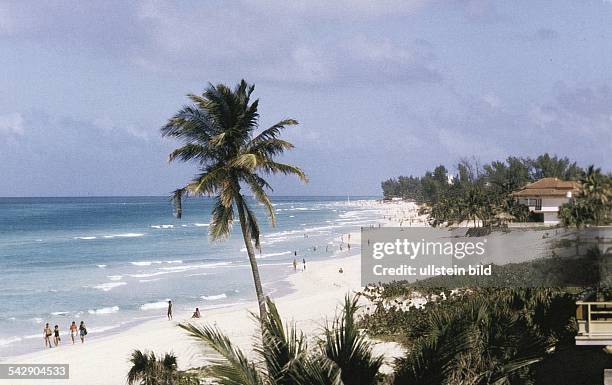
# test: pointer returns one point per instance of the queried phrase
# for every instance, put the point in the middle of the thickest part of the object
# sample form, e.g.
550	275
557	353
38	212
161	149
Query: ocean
115	261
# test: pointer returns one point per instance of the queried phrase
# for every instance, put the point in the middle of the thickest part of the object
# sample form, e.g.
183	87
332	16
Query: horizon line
160	196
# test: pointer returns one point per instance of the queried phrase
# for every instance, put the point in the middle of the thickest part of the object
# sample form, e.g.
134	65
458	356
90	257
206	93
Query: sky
380	88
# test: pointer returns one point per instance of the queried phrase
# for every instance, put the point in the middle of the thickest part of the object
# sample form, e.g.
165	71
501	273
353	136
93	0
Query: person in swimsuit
56	336
169	310
73	331
47	333
82	331
294	264
304	262
196	313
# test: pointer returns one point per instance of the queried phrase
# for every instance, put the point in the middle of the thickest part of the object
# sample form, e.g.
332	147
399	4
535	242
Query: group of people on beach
327	247
295	263
81	330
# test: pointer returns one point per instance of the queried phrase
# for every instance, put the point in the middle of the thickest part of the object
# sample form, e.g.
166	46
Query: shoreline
309	299
315	296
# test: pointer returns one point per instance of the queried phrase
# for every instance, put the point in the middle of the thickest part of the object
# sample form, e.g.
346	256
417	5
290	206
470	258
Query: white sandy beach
316	296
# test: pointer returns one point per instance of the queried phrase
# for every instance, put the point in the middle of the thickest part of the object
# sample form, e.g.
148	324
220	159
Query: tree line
481	194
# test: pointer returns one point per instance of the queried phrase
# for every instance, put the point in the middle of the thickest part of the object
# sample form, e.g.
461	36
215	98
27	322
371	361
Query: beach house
544	197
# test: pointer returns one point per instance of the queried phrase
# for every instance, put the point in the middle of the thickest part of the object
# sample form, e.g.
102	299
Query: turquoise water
113	262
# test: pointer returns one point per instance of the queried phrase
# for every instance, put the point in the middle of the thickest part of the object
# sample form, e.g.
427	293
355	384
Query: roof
554	183
548	187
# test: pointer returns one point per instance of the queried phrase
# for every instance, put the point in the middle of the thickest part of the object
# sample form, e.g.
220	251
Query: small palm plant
218	135
344	357
349	349
148	369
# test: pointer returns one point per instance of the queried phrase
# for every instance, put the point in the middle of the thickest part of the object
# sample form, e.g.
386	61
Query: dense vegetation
500	176
481	195
593	203
485	336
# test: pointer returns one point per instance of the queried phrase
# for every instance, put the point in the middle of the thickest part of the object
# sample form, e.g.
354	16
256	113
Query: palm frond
271	167
191	124
257	186
269	148
349	349
207	182
317	371
273	132
281	347
222	220
192	151
140	365
230	367
247	161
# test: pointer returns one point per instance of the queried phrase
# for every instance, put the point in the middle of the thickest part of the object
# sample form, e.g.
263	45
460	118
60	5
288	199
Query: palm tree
218	135
597	189
592	204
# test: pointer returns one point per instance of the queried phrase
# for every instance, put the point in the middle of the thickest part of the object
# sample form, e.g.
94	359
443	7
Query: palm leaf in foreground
281	347
282	357
349	349
230	367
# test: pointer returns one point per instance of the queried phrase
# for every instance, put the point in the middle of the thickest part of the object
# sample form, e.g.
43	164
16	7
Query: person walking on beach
304	262
47	333
82	331
73	331
294	264
169	310
56	336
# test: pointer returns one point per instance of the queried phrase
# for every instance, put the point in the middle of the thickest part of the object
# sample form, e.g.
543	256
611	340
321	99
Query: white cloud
11	124
280	42
108	125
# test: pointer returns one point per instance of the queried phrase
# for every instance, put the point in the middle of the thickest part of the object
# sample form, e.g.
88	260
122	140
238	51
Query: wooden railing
594	319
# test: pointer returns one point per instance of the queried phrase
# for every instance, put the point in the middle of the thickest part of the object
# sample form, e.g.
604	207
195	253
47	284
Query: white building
545	196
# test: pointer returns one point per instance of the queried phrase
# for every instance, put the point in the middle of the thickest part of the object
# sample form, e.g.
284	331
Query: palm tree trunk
261	299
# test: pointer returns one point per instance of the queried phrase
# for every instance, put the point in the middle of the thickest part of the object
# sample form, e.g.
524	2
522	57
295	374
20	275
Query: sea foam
214	297
155	305
104	310
108	286
162	226
124	235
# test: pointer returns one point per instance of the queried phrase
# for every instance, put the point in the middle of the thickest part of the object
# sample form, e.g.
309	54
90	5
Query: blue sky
380	88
